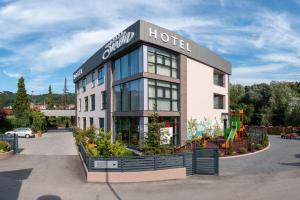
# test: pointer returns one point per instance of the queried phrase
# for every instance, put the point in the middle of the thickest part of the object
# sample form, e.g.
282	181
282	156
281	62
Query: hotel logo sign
166	38
77	74
116	43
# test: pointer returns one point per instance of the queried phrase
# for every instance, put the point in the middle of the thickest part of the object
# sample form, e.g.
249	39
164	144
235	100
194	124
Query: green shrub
265	140
4	146
79	136
91	134
258	146
38	121
243	150
92	151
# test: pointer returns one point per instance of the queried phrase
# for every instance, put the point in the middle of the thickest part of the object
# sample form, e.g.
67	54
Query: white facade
97	90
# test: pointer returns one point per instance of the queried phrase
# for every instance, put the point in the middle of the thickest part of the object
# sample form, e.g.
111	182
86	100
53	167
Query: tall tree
21	107
50	104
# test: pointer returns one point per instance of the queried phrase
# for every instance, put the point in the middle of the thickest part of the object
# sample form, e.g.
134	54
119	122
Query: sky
46	41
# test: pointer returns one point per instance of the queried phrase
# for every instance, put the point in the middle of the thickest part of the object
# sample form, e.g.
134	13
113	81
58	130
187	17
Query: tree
21	106
50	105
38	121
280	103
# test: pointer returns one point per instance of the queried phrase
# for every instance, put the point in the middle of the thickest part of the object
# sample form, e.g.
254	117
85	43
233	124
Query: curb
248	154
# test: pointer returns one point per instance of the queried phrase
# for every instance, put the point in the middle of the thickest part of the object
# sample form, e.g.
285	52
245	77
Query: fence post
15	142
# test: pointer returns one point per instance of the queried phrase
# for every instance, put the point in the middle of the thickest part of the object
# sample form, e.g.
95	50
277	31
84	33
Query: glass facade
126	66
127	96
162	63
163	96
101	76
127	129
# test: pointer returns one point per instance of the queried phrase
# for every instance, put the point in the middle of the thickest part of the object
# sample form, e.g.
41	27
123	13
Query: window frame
86	103
218	73
165	55
223	101
93	103
101	75
104	100
164	88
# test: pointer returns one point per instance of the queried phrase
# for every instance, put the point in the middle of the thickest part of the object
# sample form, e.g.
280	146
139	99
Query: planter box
6	154
38	135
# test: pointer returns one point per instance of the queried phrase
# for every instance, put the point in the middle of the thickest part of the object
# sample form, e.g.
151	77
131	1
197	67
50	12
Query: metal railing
193	162
12	140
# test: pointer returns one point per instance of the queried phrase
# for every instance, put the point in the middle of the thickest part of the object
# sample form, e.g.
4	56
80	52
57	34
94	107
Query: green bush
265	141
4	146
79	136
92	151
243	150
38	121
7	124
258	147
91	134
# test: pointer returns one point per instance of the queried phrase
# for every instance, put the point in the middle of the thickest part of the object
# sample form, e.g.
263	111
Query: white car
21	132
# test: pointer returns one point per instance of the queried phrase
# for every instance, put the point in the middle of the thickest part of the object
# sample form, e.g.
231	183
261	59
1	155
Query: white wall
98	112
200	92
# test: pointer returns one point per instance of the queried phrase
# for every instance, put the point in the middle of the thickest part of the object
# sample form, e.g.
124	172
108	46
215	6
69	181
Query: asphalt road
272	174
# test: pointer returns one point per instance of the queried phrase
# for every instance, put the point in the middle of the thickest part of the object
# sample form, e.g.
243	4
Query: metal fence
257	133
191	161
206	161
12	140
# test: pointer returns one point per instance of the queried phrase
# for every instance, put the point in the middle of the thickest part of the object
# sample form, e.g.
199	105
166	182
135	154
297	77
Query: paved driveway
53	142
61	177
282	155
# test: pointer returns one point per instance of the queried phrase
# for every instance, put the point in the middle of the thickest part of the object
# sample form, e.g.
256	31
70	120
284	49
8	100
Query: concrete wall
200	93
98	112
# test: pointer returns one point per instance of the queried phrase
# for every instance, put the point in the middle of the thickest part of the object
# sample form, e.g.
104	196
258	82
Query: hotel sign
167	38
77	74
116	43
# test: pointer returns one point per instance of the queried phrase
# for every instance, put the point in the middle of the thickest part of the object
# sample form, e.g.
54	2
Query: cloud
12	74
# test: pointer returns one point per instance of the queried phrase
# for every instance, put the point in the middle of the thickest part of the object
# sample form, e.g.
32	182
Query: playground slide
232	132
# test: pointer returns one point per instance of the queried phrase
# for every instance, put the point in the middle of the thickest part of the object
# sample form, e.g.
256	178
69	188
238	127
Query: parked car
21	132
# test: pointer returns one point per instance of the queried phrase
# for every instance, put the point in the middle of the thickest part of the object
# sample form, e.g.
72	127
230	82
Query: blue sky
45	41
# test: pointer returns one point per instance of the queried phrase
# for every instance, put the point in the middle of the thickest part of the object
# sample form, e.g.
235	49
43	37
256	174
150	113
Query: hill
7	98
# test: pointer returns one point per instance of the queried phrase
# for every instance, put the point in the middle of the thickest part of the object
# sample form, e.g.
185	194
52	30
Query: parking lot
272	174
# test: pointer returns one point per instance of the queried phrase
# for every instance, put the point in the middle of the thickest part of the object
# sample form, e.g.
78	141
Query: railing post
217	161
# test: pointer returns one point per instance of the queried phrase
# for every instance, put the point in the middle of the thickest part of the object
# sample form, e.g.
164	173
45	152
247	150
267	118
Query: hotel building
147	68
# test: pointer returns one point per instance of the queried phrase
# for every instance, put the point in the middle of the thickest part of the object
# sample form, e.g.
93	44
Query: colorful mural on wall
206	126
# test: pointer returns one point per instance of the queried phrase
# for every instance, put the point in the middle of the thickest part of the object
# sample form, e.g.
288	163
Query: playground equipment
236	126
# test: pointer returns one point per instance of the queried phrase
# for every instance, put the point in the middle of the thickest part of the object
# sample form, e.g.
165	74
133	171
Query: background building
147	68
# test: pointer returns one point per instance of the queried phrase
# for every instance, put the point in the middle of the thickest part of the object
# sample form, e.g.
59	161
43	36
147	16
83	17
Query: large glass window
93	78
128	128
126	66
127	96
101	76
219	78
162	96
84	84
162	63
219	101
92	102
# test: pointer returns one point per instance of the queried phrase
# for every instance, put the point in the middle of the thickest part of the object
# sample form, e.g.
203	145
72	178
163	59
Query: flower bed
5	150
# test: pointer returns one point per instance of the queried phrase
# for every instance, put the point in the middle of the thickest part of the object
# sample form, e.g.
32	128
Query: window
91	121
84	123
77	87
127	96
162	63
219	101
84	84
86	103
127	65
93	78
104	100
219	78
78	121
79	105
162	96
101	123
101	76
92	102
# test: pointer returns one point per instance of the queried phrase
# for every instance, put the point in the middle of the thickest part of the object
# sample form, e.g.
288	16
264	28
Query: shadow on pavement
295	164
11	181
49	197
111	188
